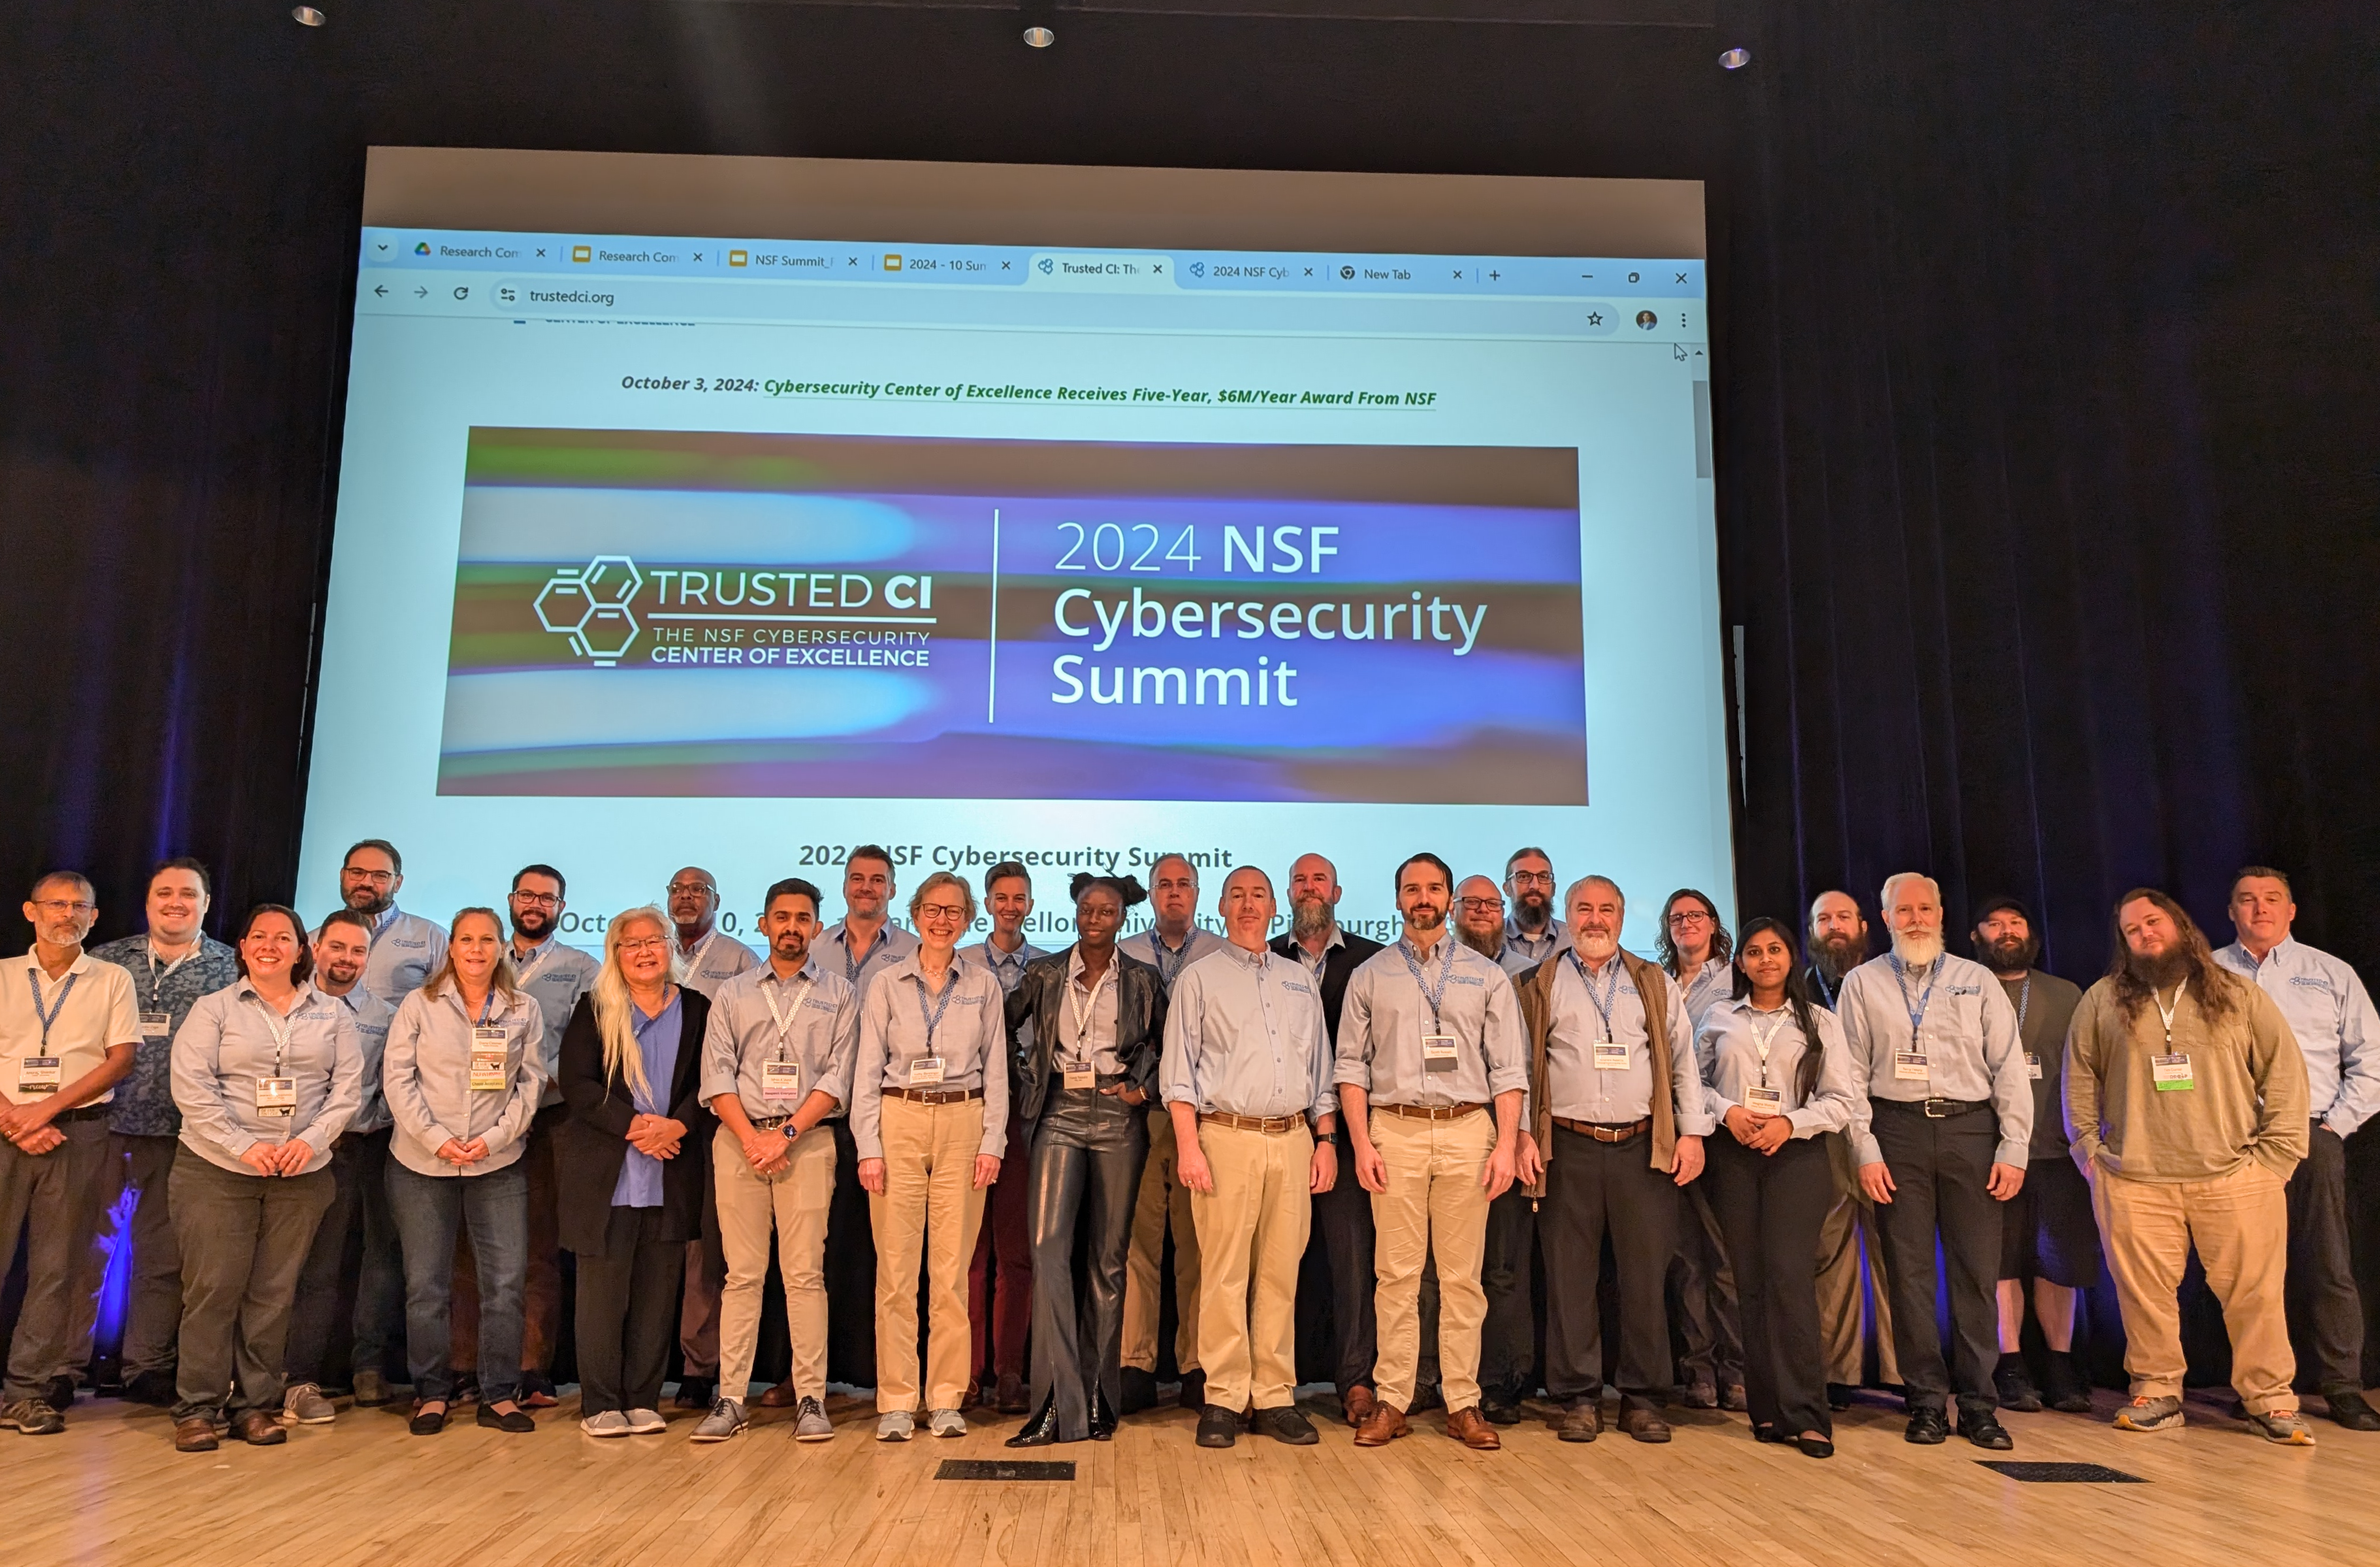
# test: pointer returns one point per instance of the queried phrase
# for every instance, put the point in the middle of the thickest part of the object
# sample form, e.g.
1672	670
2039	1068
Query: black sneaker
1194	1390
1980	1424
2014	1385
1283	1425
1427	1396
1139	1391
1218	1426
2348	1408
1928	1426
2063	1389
697	1393
154	1389
1841	1395
58	1392
1499	1409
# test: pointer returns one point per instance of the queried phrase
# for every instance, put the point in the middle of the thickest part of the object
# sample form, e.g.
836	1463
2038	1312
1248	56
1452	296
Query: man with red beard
2187	1095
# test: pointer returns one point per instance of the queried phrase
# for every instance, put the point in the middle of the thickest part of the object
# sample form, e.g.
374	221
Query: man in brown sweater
2186	1105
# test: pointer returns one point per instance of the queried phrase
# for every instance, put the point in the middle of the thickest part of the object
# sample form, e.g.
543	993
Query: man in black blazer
1343	1214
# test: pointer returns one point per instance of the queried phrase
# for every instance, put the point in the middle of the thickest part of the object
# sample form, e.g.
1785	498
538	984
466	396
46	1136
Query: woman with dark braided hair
1098	1027
1778	1074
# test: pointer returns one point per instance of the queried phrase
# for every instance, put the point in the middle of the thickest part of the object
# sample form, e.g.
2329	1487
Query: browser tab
1101	271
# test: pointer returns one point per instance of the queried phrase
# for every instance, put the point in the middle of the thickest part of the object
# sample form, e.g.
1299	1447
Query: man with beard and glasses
2339	1033
1479	925
2047	1233
1507	1339
1941	1140
1696	951
405	947
1849	1237
1343	1214
2186	1093
1532	934
707	957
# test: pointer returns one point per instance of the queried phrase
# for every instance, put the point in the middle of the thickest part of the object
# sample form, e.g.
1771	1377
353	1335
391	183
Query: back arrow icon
382	291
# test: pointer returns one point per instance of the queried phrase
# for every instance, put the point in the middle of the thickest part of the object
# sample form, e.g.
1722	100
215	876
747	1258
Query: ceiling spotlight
1735	59
307	16
1040	38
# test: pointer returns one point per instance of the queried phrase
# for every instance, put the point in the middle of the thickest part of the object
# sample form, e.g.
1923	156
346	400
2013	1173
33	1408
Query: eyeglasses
941	911
1531	878
60	907
1483	906
377	877
645	944
537	900
1689	917
691	889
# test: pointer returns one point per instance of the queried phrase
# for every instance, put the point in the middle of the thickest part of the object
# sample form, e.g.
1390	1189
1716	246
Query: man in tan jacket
2186	1106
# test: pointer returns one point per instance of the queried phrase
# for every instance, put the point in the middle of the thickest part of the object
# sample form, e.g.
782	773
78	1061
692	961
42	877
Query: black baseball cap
1991	907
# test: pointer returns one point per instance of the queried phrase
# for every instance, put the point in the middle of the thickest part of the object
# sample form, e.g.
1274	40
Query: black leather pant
1088	1149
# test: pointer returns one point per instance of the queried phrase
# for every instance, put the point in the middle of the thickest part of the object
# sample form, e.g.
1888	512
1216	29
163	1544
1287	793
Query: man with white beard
1941	1142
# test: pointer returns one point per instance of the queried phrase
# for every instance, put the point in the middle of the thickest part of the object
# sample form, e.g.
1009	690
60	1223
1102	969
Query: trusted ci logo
590	605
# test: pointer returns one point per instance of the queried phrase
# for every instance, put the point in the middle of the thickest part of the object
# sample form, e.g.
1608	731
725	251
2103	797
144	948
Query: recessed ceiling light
1735	59
307	16
1040	37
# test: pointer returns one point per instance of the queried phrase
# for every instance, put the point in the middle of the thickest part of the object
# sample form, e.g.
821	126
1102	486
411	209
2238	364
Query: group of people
1766	1128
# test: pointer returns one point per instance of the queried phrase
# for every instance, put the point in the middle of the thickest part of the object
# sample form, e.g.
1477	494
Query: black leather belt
82	1112
1934	1109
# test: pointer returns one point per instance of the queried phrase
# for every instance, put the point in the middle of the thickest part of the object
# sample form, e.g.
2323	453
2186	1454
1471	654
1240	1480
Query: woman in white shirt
463	1070
929	1119
266	1073
1778	1076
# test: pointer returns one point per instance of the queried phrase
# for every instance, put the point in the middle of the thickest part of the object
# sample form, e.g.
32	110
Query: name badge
156	1024
781	1081
926	1071
40	1075
2033	1066
1764	1101
2171	1073
1909	1064
490	1068
1437	1053
1610	1055
276	1097
1080	1078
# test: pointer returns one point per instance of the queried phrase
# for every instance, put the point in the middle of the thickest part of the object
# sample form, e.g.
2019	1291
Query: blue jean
428	1210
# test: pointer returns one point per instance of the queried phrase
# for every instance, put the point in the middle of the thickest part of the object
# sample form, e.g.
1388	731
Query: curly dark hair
1127	888
1722	945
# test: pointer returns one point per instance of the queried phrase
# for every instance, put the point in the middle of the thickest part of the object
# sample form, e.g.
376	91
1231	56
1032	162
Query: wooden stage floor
112	1489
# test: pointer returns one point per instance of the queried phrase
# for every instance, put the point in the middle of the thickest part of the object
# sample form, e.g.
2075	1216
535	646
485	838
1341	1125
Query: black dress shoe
427	1424
1194	1390
517	1422
1766	1433
1104	1417
1980	1426
1286	1425
1928	1426
2350	1411
1041	1430
1841	1395
152	1388
1814	1445
1138	1390
2064	1388
1218	1426
697	1393
1499	1410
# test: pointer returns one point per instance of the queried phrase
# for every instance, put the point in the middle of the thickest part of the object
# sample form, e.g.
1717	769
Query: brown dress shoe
1582	1421
1359	1405
1383	1426
1471	1429
1645	1424
257	1428
195	1435
1012	1393
781	1396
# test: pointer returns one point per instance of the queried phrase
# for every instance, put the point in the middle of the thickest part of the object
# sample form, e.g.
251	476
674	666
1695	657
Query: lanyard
157	980
1917	1009
694	959
1825	991
2167	1013
279	1025
487	1005
1445	972
1083	1009
50	1016
537	955
784	1023
387	918
1157	950
934	1019
1611	997
1761	1037
2024	999
851	969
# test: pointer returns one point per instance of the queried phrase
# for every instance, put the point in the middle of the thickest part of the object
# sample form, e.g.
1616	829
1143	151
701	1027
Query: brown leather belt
1270	1125
1431	1111
934	1096
1603	1132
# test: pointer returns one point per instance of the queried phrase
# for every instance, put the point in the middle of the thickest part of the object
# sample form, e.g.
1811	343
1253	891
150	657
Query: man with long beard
1941	1142
1837	946
1507	1339
1532	934
2187	1095
1343	1213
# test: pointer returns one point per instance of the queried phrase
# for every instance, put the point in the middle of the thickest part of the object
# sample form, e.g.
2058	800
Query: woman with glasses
629	1168
929	1119
463	1070
266	1073
1778	1074
1098	1031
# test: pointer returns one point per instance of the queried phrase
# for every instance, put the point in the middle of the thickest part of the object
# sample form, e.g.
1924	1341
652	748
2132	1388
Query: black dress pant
1595	1189
628	1311
1088	1150
1343	1214
1771	1207
1507	1339
2325	1311
1941	1171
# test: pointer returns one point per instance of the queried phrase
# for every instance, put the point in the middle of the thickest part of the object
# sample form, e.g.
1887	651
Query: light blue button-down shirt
1612	1097
1244	1035
1528	950
2331	1013
1727	1051
820	1033
713	961
369	1017
1385	1013
404	948
659	1040
1706	986
1969	1040
859	969
971	1039
554	977
228	1045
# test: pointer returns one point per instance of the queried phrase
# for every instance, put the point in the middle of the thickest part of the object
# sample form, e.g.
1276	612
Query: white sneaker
946	1423
611	1423
726	1419
896	1426
303	1404
810	1424
646	1423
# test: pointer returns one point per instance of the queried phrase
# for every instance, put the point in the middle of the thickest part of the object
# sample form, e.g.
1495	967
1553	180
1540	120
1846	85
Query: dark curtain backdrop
2044	390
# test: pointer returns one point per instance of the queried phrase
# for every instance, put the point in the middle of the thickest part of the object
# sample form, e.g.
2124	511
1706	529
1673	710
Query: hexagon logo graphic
590	605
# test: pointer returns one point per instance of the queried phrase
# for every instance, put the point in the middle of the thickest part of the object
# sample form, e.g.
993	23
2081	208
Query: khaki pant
930	1207
2240	1225
1252	1232
794	1203
1435	1205
1848	1234
1161	1197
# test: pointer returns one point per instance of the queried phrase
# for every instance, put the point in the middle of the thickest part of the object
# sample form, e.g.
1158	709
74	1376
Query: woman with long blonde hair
629	1168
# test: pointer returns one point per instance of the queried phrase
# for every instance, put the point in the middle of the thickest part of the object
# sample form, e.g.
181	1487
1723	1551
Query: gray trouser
244	1242
152	1305
55	1199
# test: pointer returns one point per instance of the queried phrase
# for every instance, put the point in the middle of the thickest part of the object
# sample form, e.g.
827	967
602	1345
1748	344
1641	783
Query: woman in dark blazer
1080	1082
630	1173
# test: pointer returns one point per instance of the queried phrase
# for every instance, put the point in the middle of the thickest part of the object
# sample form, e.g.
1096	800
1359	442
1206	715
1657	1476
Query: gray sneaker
303	1404
2284	1426
611	1423
646	1423
2150	1414
896	1426
726	1419
946	1423
32	1417
810	1424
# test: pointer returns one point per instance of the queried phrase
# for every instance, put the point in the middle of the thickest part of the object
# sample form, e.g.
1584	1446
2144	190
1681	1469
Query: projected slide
705	614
